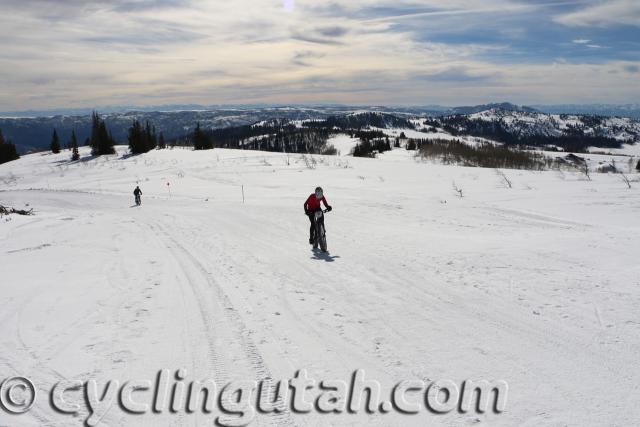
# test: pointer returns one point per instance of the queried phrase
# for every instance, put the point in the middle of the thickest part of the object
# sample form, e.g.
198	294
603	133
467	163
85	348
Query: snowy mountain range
505	106
611	110
620	110
531	123
502	122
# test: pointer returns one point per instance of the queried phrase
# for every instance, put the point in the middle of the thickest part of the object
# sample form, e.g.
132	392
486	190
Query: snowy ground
537	285
343	143
625	150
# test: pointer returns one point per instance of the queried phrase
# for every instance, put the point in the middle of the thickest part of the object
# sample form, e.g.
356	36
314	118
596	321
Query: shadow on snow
323	256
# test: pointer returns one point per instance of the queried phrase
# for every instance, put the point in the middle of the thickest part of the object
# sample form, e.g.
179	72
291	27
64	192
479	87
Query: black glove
329	208
306	212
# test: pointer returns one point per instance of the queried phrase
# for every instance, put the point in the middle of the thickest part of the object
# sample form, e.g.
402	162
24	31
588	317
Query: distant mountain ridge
506	106
611	110
622	110
33	134
569	132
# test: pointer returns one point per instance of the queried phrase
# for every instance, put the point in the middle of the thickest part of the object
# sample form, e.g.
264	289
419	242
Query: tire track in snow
206	314
240	332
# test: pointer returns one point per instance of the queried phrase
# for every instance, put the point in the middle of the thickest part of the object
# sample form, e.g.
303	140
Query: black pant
312	228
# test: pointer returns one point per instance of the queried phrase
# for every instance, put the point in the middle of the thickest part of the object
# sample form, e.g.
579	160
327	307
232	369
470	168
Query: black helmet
318	192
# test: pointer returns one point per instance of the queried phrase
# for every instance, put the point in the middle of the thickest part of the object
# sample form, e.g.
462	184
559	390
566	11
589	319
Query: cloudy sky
73	53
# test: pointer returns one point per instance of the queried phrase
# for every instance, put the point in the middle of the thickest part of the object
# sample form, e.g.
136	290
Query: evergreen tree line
201	140
360	121
574	139
143	139
72	145
370	147
8	150
273	135
483	155
283	136
366	135
294	140
240	136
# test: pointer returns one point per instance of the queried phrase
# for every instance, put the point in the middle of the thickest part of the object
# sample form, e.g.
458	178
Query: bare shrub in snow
506	180
483	155
625	179
309	161
457	190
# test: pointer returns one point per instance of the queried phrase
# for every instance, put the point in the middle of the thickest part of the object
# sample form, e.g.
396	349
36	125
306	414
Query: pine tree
149	138
161	144
107	142
200	140
8	150
141	140
95	130
55	143
101	140
73	145
638	166
135	137
145	142
153	138
197	137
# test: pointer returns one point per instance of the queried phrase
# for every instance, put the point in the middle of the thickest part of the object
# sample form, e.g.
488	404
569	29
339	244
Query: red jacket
313	204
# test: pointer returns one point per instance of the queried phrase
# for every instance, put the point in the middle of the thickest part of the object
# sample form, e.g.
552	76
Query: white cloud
604	14
180	51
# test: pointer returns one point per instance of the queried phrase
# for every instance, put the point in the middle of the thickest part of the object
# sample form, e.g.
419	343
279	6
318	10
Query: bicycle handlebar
322	210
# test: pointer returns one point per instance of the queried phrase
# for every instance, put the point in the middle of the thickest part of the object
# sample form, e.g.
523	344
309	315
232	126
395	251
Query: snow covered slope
343	143
533	123
537	285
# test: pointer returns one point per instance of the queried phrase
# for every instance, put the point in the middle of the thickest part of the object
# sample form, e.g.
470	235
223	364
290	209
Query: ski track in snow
537	285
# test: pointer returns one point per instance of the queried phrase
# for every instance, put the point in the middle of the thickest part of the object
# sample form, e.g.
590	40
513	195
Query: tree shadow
323	256
88	158
69	161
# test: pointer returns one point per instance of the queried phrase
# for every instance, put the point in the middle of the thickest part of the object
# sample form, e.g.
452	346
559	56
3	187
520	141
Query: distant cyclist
311	206
137	193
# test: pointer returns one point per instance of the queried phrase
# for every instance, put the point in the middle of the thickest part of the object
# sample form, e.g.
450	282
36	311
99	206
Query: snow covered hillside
537	285
533	123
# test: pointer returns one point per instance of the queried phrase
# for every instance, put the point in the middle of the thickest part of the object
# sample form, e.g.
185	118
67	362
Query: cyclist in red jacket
313	204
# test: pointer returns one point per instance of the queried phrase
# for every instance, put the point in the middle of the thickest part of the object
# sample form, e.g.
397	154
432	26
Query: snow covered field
537	285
